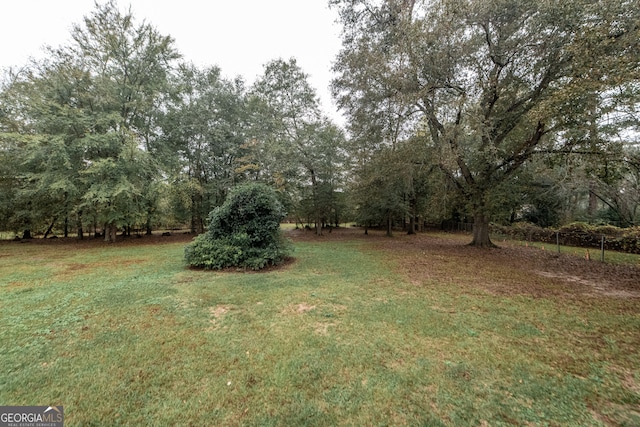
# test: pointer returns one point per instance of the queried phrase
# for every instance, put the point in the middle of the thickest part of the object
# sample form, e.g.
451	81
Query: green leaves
93	106
299	149
205	125
492	83
243	232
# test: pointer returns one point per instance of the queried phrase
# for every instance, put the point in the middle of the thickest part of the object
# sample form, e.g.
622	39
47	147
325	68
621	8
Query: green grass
126	335
593	253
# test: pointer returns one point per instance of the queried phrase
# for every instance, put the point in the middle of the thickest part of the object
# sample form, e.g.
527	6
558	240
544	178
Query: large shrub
244	232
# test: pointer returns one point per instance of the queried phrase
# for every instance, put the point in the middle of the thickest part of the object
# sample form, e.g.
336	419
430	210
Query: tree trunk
593	201
314	189
193	224
197	222
46	233
110	231
389	226
412	224
149	221
79	227
481	231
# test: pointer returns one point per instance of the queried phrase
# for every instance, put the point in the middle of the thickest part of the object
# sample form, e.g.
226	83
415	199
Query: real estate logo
31	416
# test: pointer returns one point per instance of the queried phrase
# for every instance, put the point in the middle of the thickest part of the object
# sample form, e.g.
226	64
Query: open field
357	330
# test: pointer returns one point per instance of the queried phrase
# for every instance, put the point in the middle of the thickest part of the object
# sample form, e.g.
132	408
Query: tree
490	84
205	123
243	232
129	66
43	125
86	123
293	142
392	184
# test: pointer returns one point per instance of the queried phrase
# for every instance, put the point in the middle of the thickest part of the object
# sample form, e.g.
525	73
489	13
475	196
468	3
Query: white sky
239	36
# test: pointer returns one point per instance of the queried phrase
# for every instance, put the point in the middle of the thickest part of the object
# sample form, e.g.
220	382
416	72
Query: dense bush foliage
243	232
577	234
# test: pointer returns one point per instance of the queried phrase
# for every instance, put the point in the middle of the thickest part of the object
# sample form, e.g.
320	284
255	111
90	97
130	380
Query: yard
356	330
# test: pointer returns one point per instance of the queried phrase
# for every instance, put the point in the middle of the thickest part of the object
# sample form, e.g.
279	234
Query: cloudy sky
239	36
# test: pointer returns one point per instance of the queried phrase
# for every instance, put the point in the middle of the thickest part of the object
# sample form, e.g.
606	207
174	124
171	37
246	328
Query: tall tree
46	122
294	143
491	83
206	124
129	66
90	112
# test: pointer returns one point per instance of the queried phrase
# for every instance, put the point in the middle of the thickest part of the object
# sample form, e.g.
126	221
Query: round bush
244	232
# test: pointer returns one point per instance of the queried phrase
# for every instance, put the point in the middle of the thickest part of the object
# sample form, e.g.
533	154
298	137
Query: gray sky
239	36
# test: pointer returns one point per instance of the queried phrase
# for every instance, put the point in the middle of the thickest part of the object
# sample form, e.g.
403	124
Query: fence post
558	240
602	249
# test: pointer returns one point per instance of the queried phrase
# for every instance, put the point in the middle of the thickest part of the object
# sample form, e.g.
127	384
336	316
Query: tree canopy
112	131
457	110
489	84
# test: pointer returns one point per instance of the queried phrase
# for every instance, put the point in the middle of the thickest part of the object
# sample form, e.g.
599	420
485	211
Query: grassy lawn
126	335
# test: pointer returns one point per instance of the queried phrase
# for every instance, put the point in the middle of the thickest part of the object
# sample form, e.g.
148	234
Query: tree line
115	132
465	110
498	106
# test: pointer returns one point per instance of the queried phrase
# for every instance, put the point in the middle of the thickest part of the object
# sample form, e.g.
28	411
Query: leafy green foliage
205	123
296	147
463	75
92	108
243	232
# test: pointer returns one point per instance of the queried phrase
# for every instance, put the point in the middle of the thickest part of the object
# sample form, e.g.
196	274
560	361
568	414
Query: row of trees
489	110
489	96
113	132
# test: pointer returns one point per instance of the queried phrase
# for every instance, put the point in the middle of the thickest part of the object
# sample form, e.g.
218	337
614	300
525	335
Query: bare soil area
509	269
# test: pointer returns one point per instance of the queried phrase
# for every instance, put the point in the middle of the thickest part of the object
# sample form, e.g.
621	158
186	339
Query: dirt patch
320	328
445	259
301	308
513	269
603	287
68	270
218	311
17	285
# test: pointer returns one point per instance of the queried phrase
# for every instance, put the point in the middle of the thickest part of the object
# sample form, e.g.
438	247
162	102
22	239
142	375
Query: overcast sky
239	36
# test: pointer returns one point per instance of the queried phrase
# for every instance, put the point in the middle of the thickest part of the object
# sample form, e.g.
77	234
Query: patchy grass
359	330
594	254
587	253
